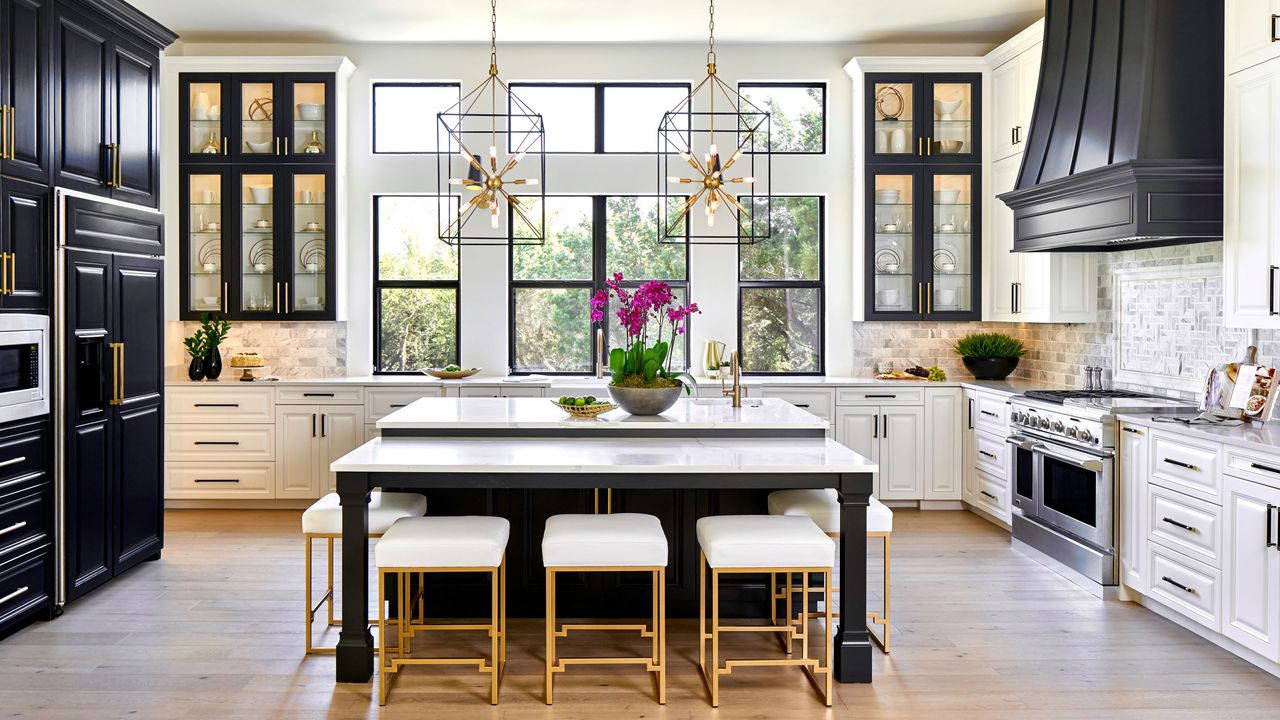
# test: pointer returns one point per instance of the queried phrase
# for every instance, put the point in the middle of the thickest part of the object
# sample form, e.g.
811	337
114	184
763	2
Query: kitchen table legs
355	643
852	643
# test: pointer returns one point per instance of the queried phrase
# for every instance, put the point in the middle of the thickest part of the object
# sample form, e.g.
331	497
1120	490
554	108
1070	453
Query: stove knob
1058	426
1086	436
1016	417
1071	431
1044	423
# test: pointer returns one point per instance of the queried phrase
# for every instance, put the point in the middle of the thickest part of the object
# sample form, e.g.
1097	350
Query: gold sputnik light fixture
518	133
737	186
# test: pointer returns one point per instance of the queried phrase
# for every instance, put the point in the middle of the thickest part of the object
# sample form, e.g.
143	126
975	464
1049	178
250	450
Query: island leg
852	644
355	643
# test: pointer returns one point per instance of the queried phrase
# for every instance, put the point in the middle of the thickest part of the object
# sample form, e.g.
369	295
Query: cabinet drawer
991	455
219	480
24	585
1262	469
1188	586
219	405
818	402
219	442
1190	526
24	521
320	395
474	391
993	495
533	392
21	456
379	402
991	413
1187	465
880	396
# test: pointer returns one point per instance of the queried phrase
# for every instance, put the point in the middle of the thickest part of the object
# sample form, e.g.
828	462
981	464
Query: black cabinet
26	525
25	245
25	35
923	118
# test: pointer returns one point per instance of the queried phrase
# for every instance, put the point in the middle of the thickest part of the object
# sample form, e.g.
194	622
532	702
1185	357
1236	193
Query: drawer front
219	442
22	456
475	391
880	396
993	495
24	521
320	395
1188	586
992	455
818	402
1190	526
219	405
991	413
24	585
533	392
215	481
1262	469
379	402
1186	465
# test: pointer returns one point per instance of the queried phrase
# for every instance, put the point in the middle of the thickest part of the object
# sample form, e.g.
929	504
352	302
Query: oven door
1075	492
1025	466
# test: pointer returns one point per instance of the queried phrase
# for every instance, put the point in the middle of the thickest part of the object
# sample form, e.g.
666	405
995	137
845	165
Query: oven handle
1022	442
1092	463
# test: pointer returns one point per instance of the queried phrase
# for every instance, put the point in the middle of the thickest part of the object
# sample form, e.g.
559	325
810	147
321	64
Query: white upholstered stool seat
443	542
762	541
618	540
823	507
324	517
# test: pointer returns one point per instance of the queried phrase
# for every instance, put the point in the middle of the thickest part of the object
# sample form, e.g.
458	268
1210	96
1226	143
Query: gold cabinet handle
919	296
224	144
111	175
13	273
928	298
119	166
13	118
277	297
226	298
286	298
286	146
928	146
277	146
920	146
4	132
117	373
4	273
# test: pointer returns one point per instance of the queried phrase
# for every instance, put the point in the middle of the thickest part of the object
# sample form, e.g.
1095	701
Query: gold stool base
876	618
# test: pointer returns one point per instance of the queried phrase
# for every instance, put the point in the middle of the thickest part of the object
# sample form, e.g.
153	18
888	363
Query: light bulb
531	181
713	149
711	220
673	179
749	179
493	151
455	181
685	155
465	155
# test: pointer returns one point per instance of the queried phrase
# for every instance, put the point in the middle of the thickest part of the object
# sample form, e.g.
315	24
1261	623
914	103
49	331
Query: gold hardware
286	298
919	296
928	146
277	146
286	146
735	371
14	594
119	166
224	144
4	273
226	296
13	132
13	272
4	132
16	526
928	298
920	146
117	394
111	176
277	308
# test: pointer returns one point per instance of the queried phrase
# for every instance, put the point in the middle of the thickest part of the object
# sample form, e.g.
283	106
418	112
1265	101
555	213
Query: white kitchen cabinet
1013	94
858	428
902	453
1251	183
1133	459
341	431
1251	576
308	439
1253	33
969	441
943	449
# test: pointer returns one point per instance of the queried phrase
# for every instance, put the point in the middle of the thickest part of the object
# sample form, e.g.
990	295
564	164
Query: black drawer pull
14	594
216	442
802	405
12	461
315	394
993	497
1271	543
1135	431
22	524
1179	463
1178	585
989	413
217	404
1175	523
987	454
880	397
1267	468
217	480
1273	28
400	405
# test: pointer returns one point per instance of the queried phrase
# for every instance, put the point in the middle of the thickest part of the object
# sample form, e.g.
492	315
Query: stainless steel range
1064	476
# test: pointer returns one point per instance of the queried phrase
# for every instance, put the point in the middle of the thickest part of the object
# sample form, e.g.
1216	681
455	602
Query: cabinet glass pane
204	136
952	119
952	245
257	118
309	264
204	237
257	246
310	136
894	134
893	260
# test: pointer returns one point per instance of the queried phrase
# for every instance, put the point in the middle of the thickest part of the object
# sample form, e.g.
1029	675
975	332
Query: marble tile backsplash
290	349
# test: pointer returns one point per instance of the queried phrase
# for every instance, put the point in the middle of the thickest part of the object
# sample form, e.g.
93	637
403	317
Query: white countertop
534	413
1261	437
634	455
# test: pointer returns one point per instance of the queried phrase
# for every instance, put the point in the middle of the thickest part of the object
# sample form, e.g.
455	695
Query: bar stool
466	544
323	521
621	542
758	544
823	507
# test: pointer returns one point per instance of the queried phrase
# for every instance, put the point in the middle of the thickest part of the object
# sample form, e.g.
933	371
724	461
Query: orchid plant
639	363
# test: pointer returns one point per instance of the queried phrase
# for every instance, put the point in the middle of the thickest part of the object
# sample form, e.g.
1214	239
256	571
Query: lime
580	402
591	399
564	399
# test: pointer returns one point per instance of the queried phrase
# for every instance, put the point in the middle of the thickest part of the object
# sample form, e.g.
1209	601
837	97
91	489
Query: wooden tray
451	374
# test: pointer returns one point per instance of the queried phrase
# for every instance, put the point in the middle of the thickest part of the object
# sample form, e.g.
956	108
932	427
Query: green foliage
215	331
418	325
195	344
990	345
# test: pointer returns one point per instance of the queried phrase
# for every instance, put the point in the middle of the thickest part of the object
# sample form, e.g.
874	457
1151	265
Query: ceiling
843	21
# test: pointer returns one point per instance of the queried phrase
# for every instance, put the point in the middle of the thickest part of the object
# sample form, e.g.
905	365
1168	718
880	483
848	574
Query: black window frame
599	272
599	111
379	285
819	285
373	112
793	84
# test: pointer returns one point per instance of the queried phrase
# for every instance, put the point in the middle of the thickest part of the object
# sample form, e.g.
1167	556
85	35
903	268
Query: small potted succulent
990	356
642	381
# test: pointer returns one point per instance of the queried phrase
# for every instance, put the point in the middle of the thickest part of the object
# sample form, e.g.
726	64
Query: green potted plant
642	381
214	331
196	349
990	356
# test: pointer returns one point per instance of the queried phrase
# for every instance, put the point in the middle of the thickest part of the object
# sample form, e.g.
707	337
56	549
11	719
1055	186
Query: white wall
484	296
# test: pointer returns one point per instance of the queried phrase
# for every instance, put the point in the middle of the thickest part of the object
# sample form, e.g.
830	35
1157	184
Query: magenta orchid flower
651	301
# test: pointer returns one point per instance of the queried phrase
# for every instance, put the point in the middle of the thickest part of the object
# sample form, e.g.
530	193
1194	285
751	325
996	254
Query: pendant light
697	183
487	212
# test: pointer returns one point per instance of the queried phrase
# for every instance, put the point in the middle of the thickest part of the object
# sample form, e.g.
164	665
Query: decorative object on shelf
311	112
898	141
889	103
887	260
200	106
451	372
945	197
209	301
209	254
942	258
211	146
247	360
889	228
311	255
522	134
212	226
215	332
945	109
312	226
261	109
947	147
259	148
262	224
745	193
589	408
314	146
882	141
196	350
260	255
209	197
642	380
311	302
887	298
713	358
945	298
888	196
261	194
990	356
215	112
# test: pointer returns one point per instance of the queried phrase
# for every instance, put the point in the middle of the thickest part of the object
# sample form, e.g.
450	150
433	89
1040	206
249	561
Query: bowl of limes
583	407
451	372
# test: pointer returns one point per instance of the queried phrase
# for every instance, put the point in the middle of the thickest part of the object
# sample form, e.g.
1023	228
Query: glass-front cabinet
256	118
930	118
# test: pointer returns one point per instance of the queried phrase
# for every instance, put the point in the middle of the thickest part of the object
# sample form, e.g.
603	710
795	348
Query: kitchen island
510	457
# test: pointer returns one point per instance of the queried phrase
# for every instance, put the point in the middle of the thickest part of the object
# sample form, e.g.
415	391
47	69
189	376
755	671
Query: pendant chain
493	33
711	35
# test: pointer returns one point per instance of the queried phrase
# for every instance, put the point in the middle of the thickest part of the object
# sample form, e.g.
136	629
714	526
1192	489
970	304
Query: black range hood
1125	143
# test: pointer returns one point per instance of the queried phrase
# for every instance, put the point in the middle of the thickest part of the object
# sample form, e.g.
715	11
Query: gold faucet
600	359
735	370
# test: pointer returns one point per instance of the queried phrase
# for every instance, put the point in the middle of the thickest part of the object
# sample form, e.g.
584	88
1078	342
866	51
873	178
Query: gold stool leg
702	611
502	597
828	639
329	587
493	638
310	618
662	636
886	594
791	612
551	626
715	637
382	639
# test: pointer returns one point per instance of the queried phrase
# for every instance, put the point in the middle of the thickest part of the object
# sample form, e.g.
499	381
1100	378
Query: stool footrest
644	630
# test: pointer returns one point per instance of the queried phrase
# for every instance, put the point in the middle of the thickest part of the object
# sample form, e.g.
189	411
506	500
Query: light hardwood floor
214	631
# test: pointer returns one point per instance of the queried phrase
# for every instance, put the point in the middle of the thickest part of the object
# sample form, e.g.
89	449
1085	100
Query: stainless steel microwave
24	366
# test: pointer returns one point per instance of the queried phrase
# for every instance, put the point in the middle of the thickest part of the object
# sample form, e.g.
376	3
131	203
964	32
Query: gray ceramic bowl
645	401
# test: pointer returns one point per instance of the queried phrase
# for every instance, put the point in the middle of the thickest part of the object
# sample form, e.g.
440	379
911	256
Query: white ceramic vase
898	141
200	108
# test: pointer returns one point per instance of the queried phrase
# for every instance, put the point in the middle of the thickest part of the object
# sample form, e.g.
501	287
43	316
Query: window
600	117
798	114
404	116
588	238
780	291
415	286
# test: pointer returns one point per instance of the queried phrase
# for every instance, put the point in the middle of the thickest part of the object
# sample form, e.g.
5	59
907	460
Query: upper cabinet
256	118
923	118
1253	33
25	31
1013	98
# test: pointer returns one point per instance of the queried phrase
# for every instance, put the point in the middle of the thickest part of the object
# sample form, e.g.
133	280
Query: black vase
213	363
996	368
195	370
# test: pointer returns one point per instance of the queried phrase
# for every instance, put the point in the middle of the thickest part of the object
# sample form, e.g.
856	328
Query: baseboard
941	505
237	504
1220	640
988	517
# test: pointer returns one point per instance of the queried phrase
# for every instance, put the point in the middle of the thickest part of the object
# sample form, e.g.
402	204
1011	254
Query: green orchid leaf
650	370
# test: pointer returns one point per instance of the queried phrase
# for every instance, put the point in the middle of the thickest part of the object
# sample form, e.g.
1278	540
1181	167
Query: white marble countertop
1261	437
533	413
629	456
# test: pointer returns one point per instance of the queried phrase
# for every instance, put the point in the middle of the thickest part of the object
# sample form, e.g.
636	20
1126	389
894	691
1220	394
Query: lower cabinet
26	526
308	439
1251	572
894	437
1132	450
943	451
987	476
